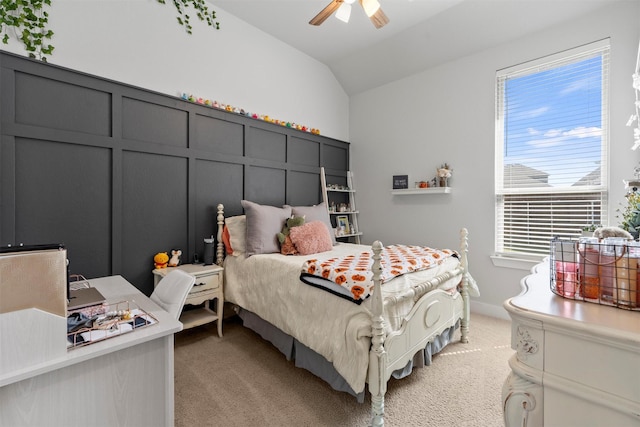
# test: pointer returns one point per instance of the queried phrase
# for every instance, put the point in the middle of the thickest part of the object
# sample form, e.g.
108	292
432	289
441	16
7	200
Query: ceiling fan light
370	7
344	12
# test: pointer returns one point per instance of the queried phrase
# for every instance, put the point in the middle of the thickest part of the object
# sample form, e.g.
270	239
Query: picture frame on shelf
400	182
342	225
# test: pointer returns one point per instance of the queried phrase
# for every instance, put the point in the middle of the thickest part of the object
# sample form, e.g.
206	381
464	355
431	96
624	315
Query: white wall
140	42
446	114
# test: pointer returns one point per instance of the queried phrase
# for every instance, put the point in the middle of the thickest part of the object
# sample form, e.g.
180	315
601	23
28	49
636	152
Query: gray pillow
314	213
263	224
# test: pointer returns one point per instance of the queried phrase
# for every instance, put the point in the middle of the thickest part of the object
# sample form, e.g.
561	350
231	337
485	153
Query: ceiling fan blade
326	12
379	19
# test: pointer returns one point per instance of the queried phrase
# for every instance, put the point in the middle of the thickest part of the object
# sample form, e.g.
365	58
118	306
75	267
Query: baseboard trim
489	310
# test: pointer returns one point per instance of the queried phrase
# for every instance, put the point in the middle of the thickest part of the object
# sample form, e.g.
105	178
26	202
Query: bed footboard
433	312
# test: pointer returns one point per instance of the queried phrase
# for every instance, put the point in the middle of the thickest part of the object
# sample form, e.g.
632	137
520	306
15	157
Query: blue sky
554	120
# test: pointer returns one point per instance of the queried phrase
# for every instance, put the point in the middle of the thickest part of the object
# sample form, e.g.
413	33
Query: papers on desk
118	319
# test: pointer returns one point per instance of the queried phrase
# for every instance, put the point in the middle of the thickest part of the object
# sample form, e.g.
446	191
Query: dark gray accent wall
118	173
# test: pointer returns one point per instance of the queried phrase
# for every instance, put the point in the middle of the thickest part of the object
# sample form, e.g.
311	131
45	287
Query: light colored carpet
242	380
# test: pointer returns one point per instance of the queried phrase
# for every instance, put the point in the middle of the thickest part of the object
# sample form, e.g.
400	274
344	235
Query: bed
348	343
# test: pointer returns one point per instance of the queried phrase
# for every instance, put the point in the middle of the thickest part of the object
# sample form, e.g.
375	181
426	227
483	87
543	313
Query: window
551	149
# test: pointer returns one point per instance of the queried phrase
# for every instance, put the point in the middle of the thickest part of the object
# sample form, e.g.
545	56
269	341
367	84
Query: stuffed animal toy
175	257
160	260
286	245
603	232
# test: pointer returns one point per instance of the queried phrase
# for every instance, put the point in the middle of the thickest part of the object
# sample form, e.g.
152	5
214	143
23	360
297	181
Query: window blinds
551	148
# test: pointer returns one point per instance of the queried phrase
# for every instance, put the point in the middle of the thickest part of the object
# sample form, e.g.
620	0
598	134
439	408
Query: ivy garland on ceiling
27	21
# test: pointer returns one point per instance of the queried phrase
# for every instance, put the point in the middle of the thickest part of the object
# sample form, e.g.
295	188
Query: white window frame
525	260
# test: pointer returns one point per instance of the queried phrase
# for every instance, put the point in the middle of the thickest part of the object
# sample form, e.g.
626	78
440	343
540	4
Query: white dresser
576	363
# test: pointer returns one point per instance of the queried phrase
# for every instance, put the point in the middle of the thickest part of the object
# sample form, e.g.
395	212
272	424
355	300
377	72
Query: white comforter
269	286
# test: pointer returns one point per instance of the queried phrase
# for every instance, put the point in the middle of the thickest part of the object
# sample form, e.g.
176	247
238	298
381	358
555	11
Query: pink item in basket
566	278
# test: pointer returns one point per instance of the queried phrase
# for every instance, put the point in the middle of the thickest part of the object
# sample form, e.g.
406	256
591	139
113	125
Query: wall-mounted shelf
434	190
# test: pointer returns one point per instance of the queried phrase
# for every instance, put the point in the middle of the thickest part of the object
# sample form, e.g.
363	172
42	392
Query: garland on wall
242	112
202	12
28	22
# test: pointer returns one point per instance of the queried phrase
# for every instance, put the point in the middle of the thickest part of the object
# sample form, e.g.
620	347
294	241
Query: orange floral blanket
351	277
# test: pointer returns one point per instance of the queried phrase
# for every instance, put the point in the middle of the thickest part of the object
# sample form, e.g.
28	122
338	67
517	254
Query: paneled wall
118	173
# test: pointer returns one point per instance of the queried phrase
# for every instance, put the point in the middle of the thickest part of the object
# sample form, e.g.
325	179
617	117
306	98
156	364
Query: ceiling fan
343	7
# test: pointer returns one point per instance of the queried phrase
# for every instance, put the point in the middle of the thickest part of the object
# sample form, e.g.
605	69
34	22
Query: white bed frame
434	312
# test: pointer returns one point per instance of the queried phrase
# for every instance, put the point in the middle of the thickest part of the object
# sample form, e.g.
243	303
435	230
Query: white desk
576	363
124	380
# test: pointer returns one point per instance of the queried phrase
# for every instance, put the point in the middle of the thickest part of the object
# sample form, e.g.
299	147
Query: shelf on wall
434	190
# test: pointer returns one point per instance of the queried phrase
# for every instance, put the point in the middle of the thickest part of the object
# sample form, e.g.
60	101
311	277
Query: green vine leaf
202	12
26	20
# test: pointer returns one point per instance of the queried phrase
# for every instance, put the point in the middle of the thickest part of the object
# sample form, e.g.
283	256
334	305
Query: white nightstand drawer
196	297
206	282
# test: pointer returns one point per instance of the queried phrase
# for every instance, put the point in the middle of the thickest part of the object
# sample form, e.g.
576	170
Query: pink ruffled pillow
311	238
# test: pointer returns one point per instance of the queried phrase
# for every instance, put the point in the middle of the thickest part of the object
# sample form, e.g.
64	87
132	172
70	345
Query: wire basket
603	272
110	321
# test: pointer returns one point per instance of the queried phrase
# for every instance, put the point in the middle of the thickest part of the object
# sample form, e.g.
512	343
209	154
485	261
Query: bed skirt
305	358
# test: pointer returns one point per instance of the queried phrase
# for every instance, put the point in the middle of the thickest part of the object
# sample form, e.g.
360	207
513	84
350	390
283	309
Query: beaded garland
242	112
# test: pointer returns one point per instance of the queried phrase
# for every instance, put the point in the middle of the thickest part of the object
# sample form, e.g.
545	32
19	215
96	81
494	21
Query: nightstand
208	286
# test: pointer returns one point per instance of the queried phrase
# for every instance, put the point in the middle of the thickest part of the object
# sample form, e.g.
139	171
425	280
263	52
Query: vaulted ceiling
421	33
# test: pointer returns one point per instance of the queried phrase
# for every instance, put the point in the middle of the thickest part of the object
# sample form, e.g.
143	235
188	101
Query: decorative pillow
311	238
315	213
263	224
228	249
236	227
